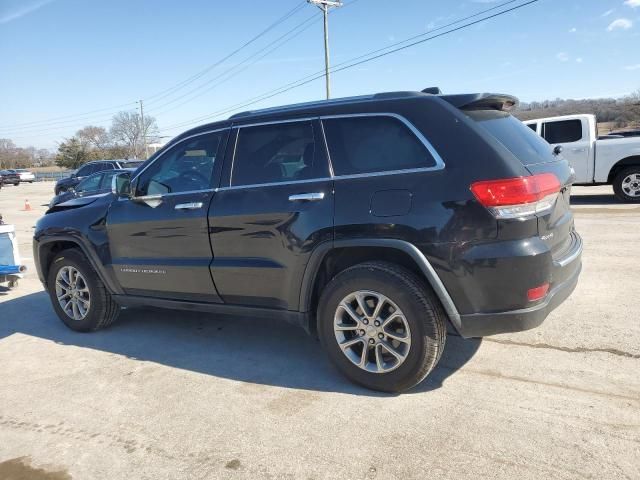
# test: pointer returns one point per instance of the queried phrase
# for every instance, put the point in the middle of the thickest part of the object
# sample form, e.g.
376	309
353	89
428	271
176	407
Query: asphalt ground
172	395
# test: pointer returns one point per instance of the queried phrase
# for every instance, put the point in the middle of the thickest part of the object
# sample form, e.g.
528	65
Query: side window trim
163	155
439	162
237	128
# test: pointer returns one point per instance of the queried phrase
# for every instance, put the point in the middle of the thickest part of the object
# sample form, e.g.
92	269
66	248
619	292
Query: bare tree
126	128
95	138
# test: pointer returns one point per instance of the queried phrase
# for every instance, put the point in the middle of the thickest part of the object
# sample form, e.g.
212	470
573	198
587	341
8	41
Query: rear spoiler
481	101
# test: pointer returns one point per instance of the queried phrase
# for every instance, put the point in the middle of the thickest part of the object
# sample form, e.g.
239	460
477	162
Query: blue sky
65	57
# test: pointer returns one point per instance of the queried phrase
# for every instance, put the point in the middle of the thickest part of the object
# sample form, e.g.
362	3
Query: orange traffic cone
27	205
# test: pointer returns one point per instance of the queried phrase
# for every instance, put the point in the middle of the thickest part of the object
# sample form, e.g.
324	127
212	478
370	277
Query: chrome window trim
430	148
439	162
162	155
155	196
273	184
274	122
326	149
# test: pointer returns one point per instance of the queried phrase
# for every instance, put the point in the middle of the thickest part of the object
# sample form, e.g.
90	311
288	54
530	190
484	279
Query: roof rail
296	106
319	103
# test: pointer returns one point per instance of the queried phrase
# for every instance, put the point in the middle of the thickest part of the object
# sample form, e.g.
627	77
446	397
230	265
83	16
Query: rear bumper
565	278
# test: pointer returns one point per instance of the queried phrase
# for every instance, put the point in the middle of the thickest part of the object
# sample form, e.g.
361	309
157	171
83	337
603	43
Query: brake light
518	197
537	293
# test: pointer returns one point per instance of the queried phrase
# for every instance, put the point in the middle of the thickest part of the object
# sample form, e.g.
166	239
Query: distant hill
610	112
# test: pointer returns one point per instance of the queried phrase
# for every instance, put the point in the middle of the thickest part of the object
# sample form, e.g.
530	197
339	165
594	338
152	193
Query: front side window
90	183
373	144
274	153
188	166
107	178
564	131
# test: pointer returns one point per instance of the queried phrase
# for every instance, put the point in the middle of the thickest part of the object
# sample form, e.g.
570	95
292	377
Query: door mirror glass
121	184
557	150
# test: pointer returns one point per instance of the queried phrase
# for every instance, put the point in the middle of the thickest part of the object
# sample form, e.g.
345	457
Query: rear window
516	137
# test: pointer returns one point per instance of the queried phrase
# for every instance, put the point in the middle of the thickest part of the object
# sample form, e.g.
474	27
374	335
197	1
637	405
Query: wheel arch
49	247
330	258
633	160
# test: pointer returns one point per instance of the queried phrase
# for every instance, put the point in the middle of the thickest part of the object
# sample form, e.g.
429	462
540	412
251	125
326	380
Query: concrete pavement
172	395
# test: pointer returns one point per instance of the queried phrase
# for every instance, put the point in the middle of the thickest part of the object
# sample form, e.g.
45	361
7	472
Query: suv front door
274	208
159	238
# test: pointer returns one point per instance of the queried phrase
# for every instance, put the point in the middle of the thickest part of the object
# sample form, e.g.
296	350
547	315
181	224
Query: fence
51	176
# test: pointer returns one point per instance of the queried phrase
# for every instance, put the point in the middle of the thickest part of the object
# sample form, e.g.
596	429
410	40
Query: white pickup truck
613	161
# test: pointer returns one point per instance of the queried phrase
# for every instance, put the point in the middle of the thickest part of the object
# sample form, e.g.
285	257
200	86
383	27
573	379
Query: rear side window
274	153
564	131
520	140
89	184
373	144
107	178
85	170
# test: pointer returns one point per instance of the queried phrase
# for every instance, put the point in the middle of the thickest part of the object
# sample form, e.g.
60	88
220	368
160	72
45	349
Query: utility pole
325	5
144	136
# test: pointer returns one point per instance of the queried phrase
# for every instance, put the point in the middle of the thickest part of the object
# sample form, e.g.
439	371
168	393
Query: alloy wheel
73	293
372	331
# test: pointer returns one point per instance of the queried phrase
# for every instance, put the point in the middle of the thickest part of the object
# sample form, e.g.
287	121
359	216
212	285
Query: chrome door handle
189	206
579	149
309	197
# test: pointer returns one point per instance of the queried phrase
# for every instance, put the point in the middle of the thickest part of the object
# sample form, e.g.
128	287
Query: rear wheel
78	295
381	326
626	185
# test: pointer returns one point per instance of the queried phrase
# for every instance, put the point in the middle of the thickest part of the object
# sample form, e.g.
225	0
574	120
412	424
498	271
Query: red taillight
514	197
537	293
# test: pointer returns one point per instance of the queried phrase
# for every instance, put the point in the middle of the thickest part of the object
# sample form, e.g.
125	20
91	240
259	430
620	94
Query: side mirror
557	150
121	185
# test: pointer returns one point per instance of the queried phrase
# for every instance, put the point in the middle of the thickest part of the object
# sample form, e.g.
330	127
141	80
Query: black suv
90	168
372	221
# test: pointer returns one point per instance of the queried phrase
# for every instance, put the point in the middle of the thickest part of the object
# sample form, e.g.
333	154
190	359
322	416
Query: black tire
618	186
102	311
423	311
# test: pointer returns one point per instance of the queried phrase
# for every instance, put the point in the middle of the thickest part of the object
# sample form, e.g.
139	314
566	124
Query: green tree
72	153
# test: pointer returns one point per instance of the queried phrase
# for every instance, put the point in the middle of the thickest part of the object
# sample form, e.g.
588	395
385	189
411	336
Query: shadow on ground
602	199
268	352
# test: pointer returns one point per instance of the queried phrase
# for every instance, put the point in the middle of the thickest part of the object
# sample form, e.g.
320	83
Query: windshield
519	139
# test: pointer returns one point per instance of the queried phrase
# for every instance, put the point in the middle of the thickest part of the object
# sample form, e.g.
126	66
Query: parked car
371	221
96	184
10	177
25	175
610	161
89	168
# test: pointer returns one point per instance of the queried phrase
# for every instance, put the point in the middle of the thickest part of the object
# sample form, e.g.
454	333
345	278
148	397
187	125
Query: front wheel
381	326
78	295
626	185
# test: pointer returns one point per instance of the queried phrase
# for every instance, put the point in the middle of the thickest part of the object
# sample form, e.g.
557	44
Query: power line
244	64
355	61
203	72
163	93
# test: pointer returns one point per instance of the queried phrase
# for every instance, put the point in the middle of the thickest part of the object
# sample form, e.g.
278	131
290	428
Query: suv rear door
274	207
159	239
573	136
